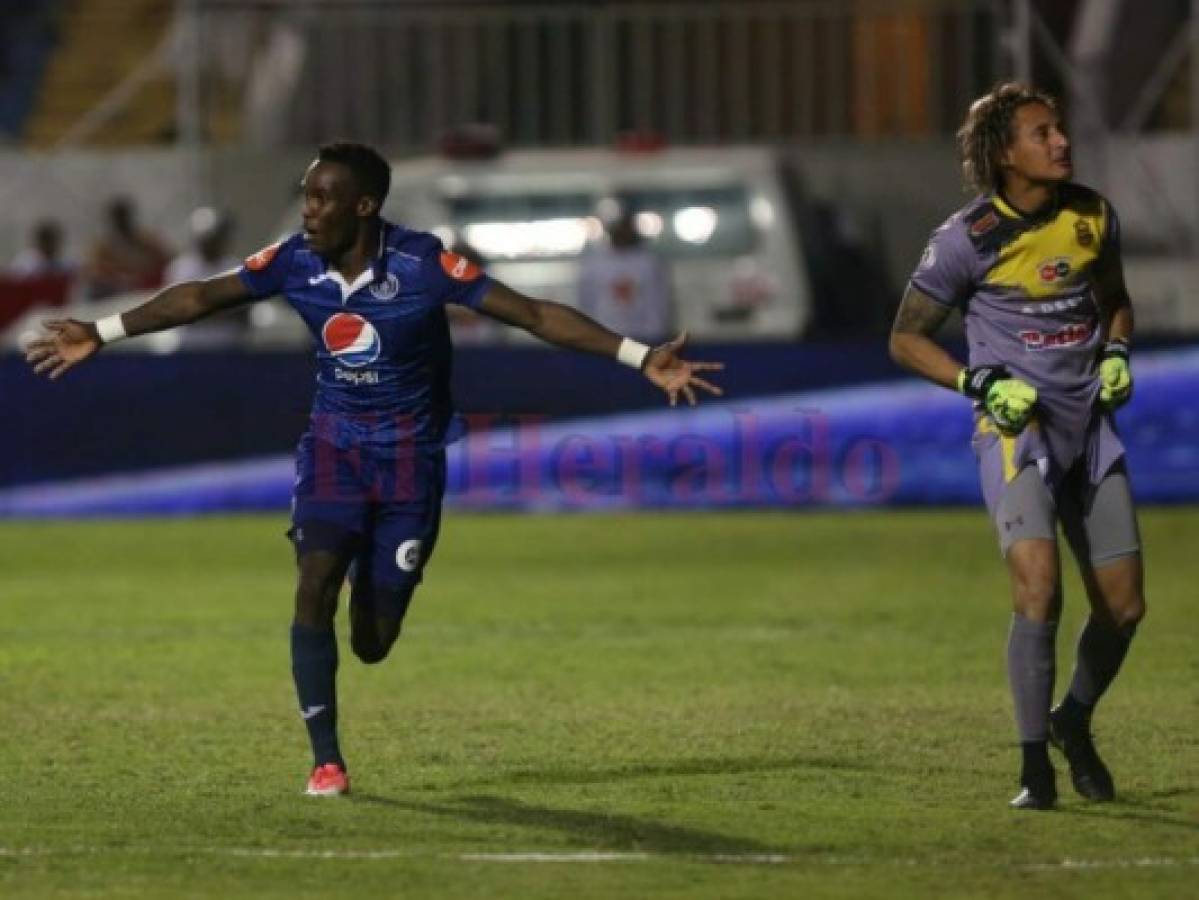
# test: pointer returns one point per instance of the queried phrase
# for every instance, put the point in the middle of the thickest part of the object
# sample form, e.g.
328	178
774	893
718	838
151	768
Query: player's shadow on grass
717	765
607	831
1132	811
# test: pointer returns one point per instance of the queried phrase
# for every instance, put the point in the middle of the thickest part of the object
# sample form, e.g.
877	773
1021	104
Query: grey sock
1030	667
1100	654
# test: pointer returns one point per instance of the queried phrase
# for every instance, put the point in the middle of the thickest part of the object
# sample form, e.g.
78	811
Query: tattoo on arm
920	314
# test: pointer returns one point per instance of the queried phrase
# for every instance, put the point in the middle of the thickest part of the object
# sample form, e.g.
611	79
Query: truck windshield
678	222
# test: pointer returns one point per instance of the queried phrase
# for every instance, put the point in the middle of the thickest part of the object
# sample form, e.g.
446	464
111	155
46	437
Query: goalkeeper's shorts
1098	520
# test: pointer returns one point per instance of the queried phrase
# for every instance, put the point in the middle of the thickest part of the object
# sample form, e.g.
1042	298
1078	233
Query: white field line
592	857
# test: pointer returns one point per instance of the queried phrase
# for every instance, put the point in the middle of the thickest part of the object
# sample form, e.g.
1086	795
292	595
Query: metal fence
401	74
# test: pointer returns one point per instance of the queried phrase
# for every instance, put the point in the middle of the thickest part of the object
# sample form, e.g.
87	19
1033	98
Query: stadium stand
27	40
101	42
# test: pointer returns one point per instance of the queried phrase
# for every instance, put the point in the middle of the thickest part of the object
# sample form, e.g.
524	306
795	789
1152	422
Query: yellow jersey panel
1055	258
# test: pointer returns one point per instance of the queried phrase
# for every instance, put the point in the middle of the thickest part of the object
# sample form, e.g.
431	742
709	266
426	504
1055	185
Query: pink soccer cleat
329	780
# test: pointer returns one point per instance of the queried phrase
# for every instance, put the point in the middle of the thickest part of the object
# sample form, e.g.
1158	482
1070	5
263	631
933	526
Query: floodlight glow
695	224
649	224
514	240
761	211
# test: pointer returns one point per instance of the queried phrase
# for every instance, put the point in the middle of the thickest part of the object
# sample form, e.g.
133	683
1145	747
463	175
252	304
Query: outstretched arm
565	327
912	344
68	342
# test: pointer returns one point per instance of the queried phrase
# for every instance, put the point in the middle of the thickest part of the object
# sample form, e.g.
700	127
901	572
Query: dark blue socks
314	667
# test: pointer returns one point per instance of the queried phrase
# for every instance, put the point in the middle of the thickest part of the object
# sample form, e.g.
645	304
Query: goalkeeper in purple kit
370	469
1033	263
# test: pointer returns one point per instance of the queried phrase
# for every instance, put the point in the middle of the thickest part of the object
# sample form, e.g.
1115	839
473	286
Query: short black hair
369	169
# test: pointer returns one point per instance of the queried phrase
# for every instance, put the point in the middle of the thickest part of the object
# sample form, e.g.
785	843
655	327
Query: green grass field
691	706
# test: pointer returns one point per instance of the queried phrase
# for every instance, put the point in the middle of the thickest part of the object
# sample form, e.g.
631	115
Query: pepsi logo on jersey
981	226
351	340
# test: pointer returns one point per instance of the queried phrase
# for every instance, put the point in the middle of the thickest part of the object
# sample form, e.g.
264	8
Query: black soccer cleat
1088	774
1037	791
1026	799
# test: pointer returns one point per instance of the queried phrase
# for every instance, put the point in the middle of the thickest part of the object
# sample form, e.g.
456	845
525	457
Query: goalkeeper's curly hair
987	131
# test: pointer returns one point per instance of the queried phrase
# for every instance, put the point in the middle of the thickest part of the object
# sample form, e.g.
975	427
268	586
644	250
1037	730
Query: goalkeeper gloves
1009	400
1115	377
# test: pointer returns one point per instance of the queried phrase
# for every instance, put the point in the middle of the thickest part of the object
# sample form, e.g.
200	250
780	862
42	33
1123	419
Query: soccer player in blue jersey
1033	263
371	466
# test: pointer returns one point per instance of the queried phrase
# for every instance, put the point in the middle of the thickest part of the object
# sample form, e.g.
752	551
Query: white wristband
632	353
110	329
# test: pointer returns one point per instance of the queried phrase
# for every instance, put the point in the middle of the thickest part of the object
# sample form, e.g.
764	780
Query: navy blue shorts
382	507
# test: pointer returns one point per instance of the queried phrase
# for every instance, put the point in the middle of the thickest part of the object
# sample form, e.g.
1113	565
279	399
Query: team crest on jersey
263	257
387	289
1051	271
459	267
1083	232
351	340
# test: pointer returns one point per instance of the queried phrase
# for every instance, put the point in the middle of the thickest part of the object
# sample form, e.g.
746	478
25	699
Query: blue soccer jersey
383	342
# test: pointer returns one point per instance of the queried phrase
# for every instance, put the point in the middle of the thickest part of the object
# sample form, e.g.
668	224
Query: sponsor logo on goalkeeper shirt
984	224
1054	306
1070	336
1053	270
351	340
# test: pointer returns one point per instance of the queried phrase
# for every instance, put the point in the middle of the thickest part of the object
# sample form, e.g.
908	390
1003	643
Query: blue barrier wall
898	443
136	411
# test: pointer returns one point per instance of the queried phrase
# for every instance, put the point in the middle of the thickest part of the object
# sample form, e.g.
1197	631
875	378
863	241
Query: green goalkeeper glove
1115	377
1009	400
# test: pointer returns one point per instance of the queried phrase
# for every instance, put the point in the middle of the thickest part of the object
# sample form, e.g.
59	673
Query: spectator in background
209	254
625	285
44	254
211	231
38	276
125	258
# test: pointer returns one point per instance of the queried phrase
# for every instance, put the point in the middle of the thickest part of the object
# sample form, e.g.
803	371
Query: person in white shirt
44	254
625	285
209	254
207	257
